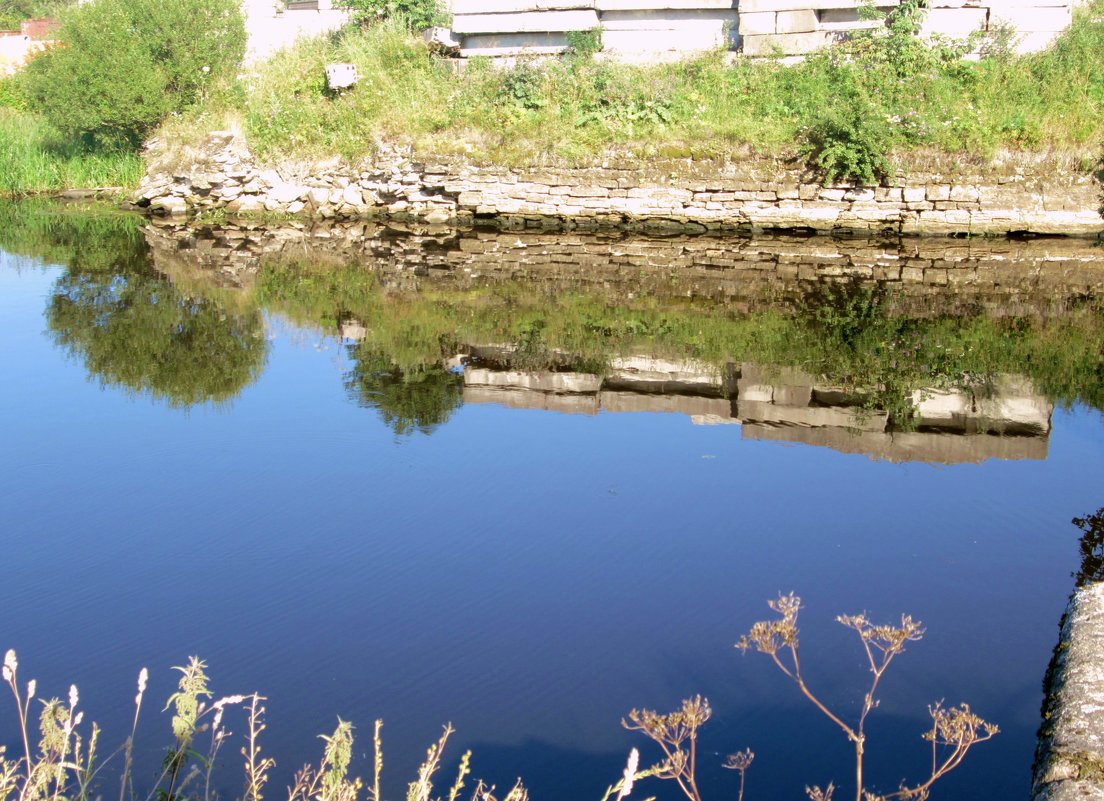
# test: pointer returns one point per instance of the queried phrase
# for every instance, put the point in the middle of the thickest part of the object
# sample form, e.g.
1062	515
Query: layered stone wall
672	195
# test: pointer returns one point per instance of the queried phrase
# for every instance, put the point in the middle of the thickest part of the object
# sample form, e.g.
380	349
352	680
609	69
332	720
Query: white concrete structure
274	24
629	28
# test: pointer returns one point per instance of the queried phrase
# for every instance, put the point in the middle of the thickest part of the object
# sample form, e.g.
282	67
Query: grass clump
35	157
846	109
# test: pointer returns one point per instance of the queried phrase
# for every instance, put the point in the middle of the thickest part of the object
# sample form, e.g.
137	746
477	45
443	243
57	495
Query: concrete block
525	22
803	21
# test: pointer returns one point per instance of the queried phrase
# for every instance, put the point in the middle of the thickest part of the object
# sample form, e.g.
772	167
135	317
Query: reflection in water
863	347
139	332
613	535
1092	548
129	325
406	401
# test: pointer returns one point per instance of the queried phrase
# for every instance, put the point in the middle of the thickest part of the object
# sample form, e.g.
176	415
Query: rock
170	204
351	195
437	217
285	193
296	207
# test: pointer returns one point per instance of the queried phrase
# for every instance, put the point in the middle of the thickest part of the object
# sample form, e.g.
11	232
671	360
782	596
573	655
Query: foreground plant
65	764
955	730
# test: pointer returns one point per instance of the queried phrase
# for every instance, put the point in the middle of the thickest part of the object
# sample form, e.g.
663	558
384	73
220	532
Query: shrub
11	95
850	142
417	14
127	64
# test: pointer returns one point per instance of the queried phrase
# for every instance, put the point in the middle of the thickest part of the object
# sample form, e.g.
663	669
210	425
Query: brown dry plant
954	730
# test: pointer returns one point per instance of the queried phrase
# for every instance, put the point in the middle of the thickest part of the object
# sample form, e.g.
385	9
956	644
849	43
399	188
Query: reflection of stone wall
922	277
782	405
1036	279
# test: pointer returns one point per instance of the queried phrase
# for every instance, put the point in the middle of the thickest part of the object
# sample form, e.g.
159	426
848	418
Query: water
196	461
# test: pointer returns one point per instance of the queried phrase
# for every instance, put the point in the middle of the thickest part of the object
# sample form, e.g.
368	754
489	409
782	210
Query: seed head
630	775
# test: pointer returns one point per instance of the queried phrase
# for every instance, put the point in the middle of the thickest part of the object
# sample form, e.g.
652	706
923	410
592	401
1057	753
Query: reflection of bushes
127	324
841	333
407	400
82	240
139	332
1092	548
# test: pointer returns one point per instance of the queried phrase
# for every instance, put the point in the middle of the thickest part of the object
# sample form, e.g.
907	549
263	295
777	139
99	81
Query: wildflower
630	775
31	686
10	665
73	696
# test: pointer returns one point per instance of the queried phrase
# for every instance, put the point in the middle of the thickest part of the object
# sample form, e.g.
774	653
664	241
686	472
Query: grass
576	110
34	159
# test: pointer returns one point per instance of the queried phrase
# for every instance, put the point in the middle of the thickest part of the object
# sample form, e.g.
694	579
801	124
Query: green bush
127	64
850	142
417	14
11	95
13	12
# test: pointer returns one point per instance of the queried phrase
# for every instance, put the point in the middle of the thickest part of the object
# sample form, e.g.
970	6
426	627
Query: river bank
1021	194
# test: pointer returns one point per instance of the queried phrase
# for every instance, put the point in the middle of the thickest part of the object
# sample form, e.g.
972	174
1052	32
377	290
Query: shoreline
655	196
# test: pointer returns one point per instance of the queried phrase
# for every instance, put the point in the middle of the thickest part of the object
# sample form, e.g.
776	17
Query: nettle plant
419	15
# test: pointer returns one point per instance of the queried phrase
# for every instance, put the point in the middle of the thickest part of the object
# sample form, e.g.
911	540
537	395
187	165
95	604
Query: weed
955	730
885	92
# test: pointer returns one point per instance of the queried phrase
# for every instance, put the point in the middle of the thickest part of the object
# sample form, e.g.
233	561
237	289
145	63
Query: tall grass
35	159
578	108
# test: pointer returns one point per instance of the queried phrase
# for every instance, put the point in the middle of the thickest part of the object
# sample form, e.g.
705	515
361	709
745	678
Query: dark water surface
384	476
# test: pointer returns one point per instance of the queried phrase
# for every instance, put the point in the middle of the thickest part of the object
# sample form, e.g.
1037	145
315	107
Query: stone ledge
696	198
1070	762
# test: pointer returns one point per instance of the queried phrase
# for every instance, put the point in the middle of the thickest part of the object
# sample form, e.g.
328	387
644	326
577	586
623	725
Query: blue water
527	575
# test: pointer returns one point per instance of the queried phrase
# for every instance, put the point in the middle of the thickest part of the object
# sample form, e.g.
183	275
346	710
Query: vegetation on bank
843	109
851	112
35	157
76	115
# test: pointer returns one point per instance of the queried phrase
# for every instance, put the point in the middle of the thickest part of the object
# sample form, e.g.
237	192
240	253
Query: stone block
525	22
801	21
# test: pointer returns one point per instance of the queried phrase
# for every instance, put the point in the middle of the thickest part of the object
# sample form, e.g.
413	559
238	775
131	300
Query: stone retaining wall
672	195
1070	762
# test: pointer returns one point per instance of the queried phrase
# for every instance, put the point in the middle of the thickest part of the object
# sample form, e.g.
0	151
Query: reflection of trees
137	331
1092	548
128	324
407	400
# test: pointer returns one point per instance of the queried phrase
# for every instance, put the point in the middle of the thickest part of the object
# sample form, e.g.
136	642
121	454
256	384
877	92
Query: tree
124	65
